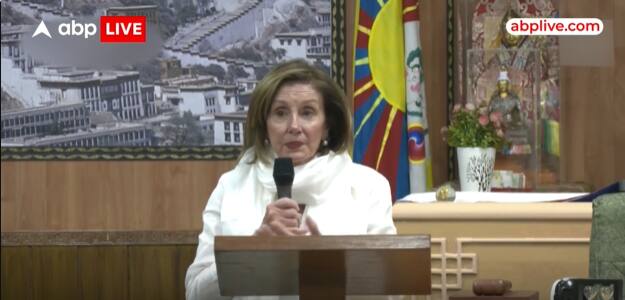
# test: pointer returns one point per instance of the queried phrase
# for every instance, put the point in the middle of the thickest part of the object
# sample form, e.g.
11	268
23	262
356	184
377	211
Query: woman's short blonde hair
337	113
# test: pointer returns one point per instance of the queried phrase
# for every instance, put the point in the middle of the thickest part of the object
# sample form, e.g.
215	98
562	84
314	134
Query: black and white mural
182	95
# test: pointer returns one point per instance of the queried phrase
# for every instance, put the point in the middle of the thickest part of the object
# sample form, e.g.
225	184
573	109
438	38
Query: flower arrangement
474	127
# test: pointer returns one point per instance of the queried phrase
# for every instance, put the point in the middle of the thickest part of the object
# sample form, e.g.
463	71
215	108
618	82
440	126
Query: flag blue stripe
361	72
362	141
361	111
361	53
371	7
403	180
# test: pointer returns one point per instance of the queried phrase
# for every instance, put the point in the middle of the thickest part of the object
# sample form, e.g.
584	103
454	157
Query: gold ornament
445	192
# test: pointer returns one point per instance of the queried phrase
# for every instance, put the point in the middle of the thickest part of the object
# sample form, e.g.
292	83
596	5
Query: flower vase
475	168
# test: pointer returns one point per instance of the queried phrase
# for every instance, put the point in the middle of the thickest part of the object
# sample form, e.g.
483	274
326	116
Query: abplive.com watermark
554	26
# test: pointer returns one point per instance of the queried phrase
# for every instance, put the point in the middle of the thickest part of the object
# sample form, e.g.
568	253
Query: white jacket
342	197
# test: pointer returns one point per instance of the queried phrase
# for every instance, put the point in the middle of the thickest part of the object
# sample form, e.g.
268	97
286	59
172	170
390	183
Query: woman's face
296	123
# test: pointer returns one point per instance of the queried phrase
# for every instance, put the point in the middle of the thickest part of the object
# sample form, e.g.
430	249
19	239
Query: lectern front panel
353	265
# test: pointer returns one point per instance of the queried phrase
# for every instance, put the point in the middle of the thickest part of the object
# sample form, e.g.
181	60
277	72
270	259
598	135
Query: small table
511	295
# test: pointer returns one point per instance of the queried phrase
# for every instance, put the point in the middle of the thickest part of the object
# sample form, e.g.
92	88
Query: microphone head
283	172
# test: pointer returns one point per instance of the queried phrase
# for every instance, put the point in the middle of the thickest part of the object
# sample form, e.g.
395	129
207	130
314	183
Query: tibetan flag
389	97
418	142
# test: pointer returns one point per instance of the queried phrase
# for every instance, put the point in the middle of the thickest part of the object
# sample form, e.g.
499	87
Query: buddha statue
506	102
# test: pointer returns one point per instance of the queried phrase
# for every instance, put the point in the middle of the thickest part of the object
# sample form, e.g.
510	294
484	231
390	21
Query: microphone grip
284	191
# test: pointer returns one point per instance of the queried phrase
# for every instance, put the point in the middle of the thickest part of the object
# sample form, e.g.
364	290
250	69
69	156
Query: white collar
311	180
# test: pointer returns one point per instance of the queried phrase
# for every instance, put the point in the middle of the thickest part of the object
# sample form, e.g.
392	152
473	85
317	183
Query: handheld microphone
283	174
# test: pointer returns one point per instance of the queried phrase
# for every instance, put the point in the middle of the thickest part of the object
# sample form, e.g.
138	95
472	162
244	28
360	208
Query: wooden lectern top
314	266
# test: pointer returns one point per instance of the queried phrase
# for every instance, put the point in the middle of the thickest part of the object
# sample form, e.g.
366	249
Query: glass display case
517	76
512	91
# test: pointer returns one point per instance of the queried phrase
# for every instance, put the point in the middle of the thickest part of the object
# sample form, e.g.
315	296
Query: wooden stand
323	267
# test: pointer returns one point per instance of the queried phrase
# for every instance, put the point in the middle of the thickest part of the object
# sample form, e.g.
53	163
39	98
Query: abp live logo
113	29
122	29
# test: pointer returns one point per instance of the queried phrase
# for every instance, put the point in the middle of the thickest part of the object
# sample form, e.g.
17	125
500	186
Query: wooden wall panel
433	16
107	195
186	255
55	273
156	266
73	188
593	123
17	270
99	272
601	129
619	89
103	272
30	196
349	51
8	200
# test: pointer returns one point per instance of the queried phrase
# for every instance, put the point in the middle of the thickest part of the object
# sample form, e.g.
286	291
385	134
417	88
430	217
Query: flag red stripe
364	19
361	82
390	159
362	41
411	15
364	96
375	141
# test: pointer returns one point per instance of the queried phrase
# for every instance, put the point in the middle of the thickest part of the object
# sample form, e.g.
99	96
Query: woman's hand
311	226
283	217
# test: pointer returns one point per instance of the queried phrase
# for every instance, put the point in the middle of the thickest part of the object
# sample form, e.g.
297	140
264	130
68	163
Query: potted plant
476	134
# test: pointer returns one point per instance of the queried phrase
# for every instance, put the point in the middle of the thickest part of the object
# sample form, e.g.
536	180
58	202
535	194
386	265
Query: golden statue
508	104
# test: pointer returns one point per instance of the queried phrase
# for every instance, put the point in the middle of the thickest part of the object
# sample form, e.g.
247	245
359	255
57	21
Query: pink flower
495	116
483	120
470	106
457	108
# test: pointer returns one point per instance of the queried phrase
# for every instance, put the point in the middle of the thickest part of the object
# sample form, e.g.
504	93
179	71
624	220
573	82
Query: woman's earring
325	143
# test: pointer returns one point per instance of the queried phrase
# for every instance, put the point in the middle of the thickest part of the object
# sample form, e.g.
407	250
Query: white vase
475	168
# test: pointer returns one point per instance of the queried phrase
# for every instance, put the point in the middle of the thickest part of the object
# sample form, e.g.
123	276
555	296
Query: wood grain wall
95	272
170	195
107	195
593	104
433	16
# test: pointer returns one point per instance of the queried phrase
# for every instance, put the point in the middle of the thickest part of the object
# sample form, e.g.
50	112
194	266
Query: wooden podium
323	267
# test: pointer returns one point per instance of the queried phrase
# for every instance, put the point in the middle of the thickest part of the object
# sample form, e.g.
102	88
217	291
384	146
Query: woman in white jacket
296	111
